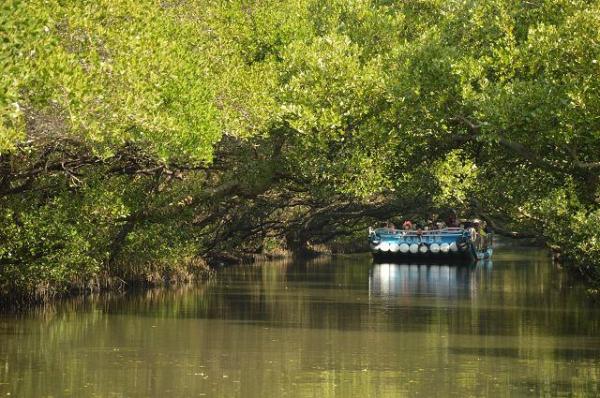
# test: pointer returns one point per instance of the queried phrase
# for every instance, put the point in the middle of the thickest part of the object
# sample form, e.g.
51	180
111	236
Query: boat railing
431	232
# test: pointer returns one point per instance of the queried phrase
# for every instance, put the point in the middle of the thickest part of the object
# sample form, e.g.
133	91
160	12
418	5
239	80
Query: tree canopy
137	136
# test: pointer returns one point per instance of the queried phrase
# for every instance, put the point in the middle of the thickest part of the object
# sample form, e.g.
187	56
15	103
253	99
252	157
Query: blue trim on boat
453	245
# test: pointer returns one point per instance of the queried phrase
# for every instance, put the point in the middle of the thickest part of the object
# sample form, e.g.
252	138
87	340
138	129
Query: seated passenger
429	225
452	221
390	226
419	225
407	226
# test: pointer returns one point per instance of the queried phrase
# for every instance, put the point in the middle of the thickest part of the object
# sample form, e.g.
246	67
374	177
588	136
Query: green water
343	328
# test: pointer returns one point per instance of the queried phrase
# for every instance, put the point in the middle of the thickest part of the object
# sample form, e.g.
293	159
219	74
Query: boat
448	245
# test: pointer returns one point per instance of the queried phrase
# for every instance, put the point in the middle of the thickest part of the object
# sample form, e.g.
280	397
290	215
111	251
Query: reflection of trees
376	331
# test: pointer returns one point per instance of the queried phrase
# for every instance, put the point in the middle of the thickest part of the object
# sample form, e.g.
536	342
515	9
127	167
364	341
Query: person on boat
469	226
487	233
429	225
480	240
432	223
439	223
419	229
407	226
487	228
452	221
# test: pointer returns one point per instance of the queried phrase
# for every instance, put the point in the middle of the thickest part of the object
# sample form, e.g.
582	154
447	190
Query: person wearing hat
480	233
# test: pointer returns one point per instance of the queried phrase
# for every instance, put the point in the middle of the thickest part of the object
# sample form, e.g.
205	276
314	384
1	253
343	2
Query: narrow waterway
343	327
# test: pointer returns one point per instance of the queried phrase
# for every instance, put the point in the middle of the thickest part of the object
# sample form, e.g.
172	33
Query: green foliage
457	178
164	130
108	73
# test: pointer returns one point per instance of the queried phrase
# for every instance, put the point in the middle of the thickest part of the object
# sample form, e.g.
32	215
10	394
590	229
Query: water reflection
330	327
389	280
441	280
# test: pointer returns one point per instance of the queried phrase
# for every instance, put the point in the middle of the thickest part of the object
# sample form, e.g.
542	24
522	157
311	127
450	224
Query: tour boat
442	245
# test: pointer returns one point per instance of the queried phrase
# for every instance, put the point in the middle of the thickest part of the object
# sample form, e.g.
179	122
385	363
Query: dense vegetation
140	138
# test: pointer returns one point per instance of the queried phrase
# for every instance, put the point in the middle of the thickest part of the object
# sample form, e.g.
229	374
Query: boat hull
429	258
468	257
450	245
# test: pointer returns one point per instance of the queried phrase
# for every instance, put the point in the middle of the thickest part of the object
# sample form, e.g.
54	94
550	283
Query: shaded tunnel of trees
140	140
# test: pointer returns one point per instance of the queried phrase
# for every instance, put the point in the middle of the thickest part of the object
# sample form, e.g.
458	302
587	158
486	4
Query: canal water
339	327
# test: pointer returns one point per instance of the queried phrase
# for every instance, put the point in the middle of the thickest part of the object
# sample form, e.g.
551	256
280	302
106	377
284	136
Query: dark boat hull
445	258
470	256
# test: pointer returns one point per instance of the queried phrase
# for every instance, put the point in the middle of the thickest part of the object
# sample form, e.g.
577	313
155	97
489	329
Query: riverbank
147	276
130	276
327	327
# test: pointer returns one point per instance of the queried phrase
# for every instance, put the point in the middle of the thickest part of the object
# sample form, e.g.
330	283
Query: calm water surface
325	328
